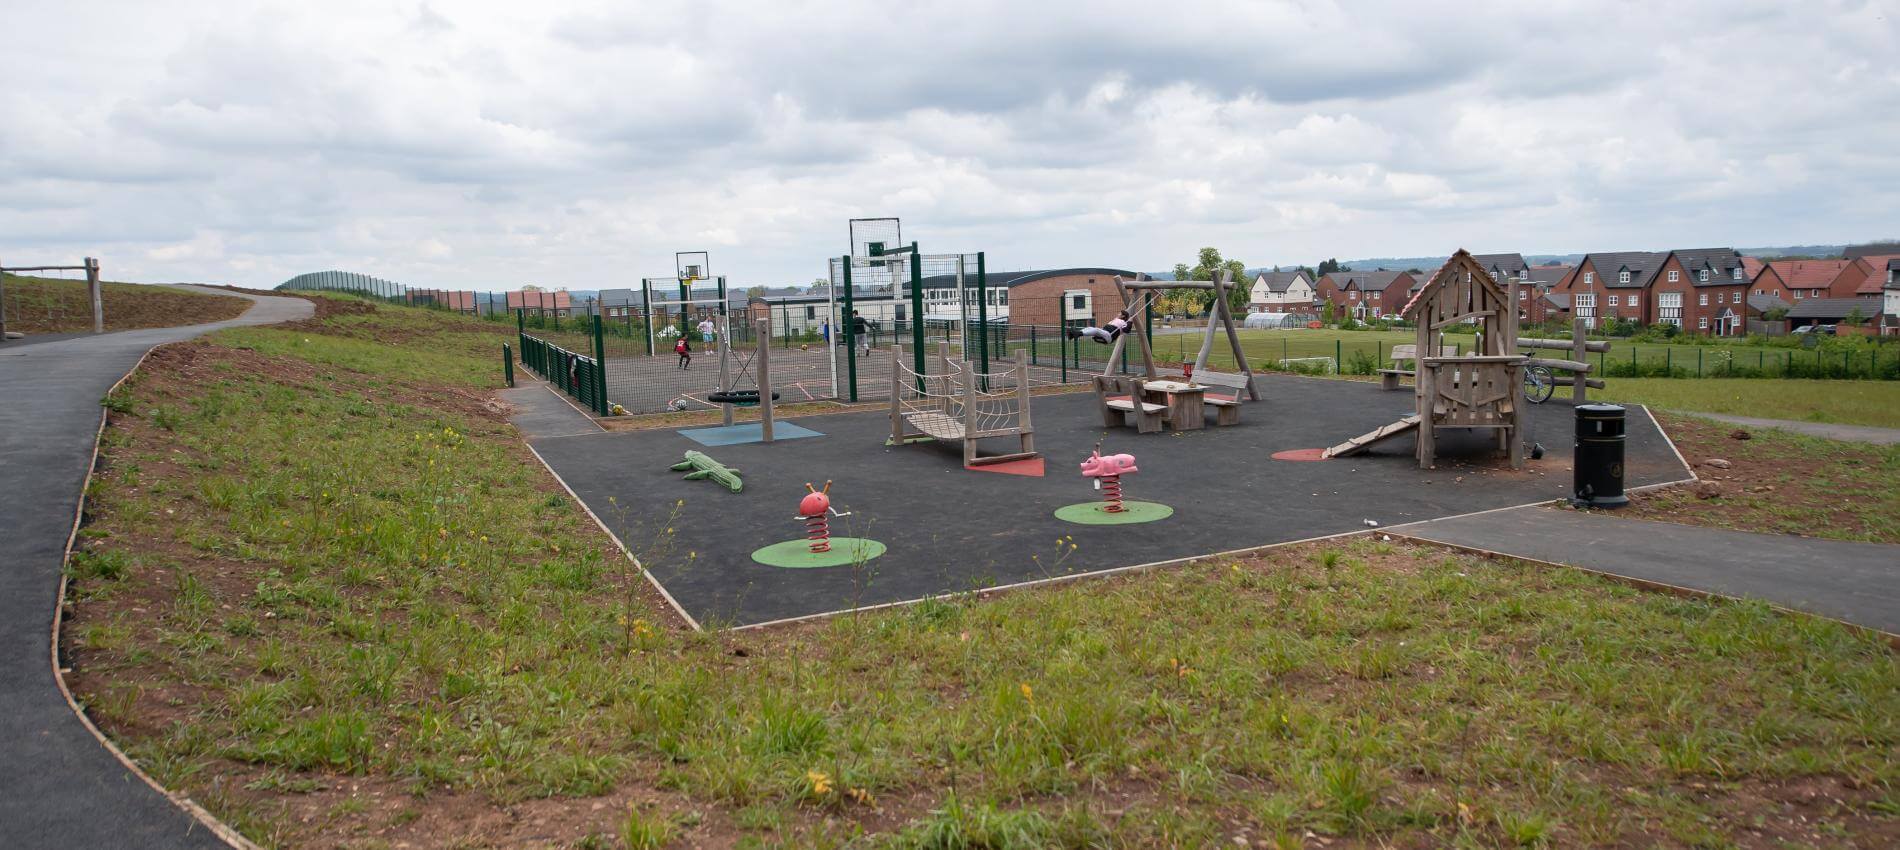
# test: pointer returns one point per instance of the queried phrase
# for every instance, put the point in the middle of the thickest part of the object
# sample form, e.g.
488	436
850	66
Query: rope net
950	394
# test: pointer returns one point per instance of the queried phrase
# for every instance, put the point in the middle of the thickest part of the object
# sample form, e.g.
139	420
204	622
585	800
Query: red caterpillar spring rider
1107	472
813	511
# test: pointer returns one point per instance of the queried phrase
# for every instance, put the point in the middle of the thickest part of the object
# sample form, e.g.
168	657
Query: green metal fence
578	375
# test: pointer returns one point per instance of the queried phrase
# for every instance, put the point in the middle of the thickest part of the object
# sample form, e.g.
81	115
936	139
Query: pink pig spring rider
1107	472
813	510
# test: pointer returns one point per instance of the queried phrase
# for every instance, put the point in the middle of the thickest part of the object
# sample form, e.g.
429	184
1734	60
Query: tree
1330	265
1206	264
1854	318
529	287
755	292
820	285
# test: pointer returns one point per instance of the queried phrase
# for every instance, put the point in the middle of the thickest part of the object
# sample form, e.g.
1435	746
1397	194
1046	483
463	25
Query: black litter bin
1597	480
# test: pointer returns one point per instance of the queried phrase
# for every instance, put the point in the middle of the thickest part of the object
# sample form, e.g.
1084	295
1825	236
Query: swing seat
739	397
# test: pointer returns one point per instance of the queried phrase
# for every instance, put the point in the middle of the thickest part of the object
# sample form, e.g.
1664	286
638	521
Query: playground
948	528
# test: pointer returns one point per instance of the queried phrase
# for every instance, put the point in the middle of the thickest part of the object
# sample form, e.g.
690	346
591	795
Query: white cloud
489	144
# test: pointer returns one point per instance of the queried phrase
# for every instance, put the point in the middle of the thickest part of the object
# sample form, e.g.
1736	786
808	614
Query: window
1589	277
1704	300
1354	296
1797	295
1674	275
1078	302
1522	294
1613	300
1623	276
1586	304
1815	294
811	313
1737	273
1002	298
1702	323
1669	306
1703	275
900	312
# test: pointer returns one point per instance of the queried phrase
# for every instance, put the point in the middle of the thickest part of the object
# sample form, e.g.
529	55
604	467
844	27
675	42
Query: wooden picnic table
1184	401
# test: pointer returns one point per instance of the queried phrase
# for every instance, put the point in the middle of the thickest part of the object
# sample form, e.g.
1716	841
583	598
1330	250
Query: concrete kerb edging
198	813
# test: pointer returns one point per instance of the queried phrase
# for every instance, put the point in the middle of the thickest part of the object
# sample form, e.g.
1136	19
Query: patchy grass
37	305
1874	403
1779	483
342	606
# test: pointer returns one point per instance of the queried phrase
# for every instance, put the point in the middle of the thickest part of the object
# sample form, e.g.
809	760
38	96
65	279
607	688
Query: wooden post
943	364
1213	313
98	304
1581	353
1240	357
1027	432
1424	381
764	375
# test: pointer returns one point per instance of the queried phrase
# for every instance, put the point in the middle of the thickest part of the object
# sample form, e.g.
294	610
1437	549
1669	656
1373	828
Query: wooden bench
1389	378
1226	407
1120	397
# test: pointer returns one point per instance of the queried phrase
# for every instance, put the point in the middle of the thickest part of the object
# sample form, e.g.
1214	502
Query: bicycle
1538	384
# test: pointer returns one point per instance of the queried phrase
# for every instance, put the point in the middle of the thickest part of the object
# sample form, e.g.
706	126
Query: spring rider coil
813	510
1107	472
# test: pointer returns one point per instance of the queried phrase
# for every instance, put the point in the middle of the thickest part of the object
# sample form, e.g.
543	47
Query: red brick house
1611	285
1367	295
1805	279
1535	294
1875	272
1701	290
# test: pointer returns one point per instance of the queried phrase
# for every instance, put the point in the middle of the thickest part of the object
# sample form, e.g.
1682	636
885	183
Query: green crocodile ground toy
702	467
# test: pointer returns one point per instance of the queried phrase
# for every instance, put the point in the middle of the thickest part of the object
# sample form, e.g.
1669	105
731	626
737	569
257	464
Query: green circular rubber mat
797	554
1091	513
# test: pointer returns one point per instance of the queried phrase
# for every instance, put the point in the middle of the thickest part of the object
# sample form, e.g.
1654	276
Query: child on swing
1109	332
685	352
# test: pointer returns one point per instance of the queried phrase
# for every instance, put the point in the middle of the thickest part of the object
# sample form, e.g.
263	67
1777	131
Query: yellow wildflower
820	783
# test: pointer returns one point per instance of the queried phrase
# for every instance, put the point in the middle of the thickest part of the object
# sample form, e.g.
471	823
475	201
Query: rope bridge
953	406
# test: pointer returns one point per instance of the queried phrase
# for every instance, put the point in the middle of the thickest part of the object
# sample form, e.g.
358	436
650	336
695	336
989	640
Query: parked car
1817	330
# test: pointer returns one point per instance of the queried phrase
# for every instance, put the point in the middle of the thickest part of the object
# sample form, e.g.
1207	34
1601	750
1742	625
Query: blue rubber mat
748	432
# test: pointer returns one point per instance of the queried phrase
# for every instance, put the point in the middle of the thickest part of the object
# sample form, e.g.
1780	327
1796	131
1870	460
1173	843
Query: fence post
982	321
850	336
916	261
1698	362
1062	334
507	364
600	368
1337	348
92	289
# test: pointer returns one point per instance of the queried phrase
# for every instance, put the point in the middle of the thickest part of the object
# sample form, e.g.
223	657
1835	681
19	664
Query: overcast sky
489	145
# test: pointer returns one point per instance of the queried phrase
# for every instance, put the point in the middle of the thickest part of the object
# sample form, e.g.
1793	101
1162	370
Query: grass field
37	305
1874	403
328	592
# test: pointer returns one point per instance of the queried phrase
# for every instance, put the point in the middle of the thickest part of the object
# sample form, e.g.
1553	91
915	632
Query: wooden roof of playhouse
1462	289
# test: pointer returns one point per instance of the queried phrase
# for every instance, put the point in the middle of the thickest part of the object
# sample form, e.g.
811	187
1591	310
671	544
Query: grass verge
37	305
1779	482
327	592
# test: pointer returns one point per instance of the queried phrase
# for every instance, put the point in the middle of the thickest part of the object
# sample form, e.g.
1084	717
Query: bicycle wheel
1538	384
